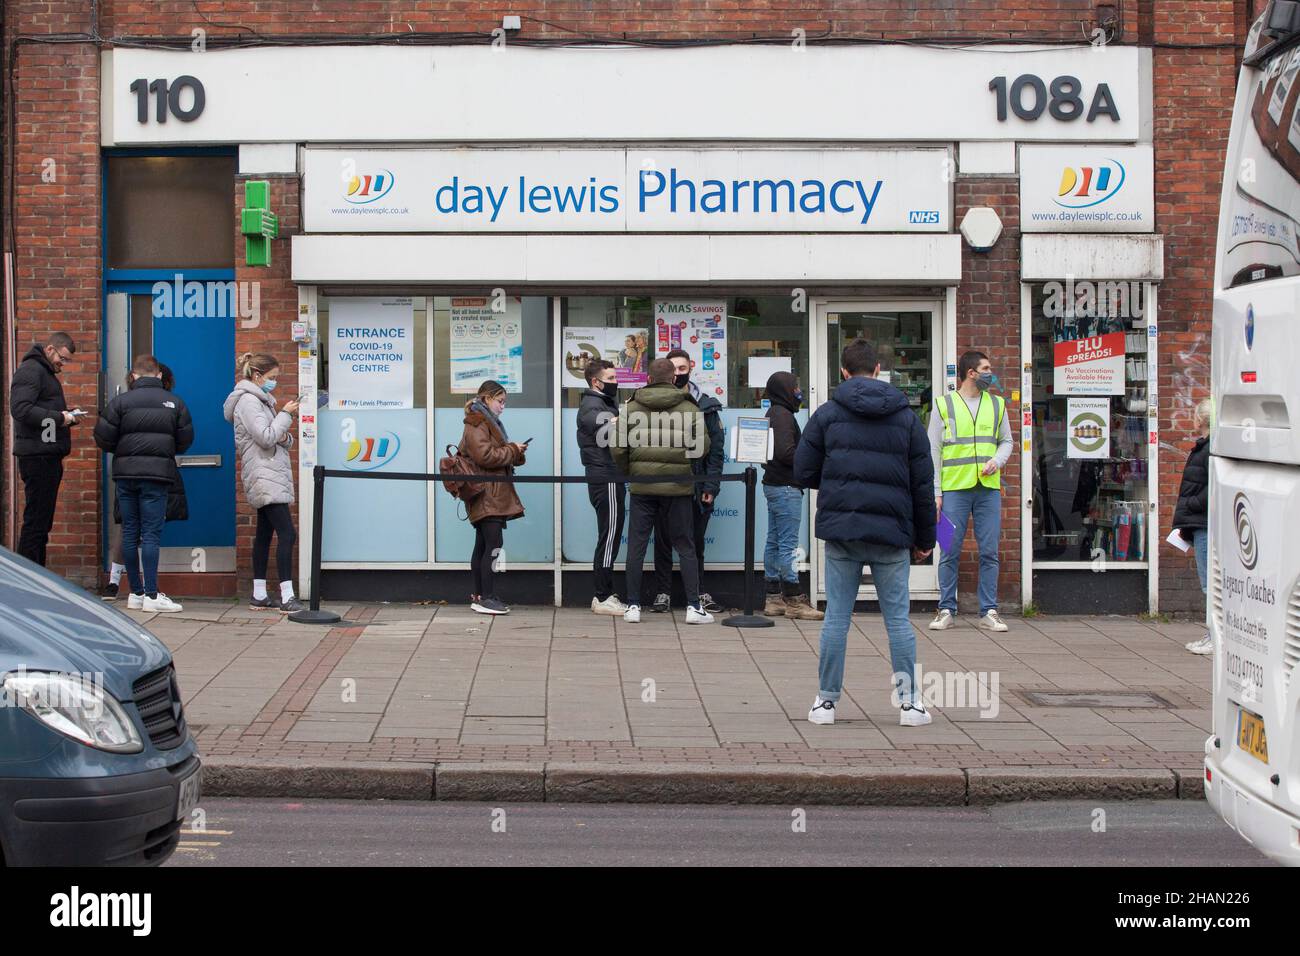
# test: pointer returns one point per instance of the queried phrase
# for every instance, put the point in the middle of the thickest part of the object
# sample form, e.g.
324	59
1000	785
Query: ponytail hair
259	363
490	389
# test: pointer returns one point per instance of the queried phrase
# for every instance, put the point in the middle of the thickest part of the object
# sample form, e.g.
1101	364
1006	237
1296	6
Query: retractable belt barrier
314	615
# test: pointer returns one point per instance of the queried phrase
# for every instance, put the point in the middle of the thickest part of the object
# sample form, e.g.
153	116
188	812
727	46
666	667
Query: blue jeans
1200	544
890	568
144	510
784	515
985	506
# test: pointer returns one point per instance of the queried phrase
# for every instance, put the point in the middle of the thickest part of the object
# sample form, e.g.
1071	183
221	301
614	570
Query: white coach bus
1252	758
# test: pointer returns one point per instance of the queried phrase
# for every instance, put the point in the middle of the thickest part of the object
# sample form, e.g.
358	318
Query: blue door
193	333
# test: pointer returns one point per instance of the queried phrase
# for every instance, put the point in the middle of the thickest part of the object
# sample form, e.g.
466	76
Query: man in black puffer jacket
144	429
42	437
868	454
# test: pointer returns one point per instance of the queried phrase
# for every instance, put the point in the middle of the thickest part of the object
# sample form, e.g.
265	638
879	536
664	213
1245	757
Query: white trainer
135	602
162	604
611	606
1204	646
991	621
823	711
697	615
633	614
942	621
913	715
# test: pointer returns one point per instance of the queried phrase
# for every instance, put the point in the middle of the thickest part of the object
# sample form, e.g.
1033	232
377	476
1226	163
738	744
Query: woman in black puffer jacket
1190	514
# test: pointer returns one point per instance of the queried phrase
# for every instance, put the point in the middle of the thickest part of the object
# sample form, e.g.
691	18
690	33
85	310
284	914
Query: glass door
907	337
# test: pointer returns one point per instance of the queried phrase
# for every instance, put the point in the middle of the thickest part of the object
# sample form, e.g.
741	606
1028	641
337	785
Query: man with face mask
970	443
705	492
42	437
597	417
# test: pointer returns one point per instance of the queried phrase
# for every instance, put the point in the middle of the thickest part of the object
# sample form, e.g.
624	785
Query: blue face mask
269	386
798	397
986	381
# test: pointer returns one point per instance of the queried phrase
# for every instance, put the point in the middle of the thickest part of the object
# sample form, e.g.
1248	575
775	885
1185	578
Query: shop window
1091	423
170	212
728	337
372	415
506	339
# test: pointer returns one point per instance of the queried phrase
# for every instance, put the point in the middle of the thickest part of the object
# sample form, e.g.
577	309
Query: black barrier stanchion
314	615
749	618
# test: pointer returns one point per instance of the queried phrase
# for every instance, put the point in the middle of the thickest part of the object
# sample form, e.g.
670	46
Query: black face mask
609	388
682	380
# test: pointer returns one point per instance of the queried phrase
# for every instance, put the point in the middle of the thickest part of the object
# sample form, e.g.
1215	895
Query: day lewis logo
366	454
368	187
1083	186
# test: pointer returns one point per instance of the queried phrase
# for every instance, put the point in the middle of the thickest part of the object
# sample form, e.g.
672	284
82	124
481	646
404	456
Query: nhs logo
923	217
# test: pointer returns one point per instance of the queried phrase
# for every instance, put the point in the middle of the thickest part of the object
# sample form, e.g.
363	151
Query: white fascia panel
567	258
1046	256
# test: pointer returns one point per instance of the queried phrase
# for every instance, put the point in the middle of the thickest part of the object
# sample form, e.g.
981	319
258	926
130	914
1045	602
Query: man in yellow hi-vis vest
970	442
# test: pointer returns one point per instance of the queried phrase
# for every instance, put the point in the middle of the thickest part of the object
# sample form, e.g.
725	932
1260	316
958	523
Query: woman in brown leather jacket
486	444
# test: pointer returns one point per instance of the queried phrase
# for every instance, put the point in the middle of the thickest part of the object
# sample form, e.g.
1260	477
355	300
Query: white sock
286	591
259	589
115	573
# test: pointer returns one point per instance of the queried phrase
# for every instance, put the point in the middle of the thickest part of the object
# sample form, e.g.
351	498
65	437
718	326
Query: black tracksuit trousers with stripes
610	502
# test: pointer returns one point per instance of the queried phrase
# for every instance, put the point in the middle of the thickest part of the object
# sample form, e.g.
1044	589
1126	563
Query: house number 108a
1063	99
168	98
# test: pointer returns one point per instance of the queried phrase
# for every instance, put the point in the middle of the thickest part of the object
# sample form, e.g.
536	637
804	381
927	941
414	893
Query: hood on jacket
243	387
869	397
706	402
37	352
661	397
780	390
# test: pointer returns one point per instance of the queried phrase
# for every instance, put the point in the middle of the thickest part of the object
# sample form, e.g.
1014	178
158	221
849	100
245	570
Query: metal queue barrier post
314	615
749	618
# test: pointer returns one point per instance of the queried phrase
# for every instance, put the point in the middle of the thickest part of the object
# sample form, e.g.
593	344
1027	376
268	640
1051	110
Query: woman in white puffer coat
263	437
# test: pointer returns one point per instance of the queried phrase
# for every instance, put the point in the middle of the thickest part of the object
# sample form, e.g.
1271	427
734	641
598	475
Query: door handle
198	461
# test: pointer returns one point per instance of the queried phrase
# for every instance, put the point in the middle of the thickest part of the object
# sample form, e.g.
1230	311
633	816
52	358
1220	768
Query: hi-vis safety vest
969	443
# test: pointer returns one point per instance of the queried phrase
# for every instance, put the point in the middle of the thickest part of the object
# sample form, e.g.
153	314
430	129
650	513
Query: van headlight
74	706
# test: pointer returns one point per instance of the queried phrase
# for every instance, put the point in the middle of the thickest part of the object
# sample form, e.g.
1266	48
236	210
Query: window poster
371	353
628	349
486	344
1088	428
700	329
1090	366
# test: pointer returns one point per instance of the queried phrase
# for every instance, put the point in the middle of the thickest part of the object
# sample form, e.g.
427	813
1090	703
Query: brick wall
55	224
988	319
269	332
1194	81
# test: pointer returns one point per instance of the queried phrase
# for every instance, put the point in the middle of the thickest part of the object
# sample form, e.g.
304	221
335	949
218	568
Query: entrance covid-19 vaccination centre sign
627	190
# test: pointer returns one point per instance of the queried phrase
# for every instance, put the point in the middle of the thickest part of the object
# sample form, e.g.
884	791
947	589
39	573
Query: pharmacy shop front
512	214
400	330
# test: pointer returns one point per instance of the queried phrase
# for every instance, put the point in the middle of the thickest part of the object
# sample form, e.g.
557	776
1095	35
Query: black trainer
662	604
267	603
290	606
490	605
108	592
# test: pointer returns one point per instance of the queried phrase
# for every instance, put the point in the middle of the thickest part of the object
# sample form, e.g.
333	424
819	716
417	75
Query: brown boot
799	608
774	605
